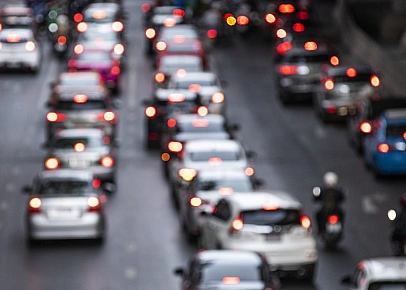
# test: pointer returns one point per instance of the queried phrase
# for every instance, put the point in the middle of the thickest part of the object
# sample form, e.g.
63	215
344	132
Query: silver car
65	204
87	149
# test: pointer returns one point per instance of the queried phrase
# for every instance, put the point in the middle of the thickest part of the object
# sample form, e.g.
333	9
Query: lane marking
130	273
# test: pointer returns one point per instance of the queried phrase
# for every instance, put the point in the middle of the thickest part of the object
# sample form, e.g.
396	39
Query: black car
227	270
361	124
164	103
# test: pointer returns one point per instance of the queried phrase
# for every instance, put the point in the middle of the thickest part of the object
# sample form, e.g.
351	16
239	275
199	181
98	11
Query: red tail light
351	72
150	112
82	27
30	46
298	27
302	15
96	183
249	171
61	40
195	201
117	26
187	174
71	63
283	47
329	84
78	49
115	70
237	224
160	46
333	219
150	33
159	77
270	18
305	222
107	161
93	203
35	205
334	60
310	46
243	20
178	13
375	81
217	98
119	49
383	148
52	163
365	127
331	109
211	33
286	8
202	111
171	123
175	146
288	69
54	117
108	116
231	280
145	7
281	33
78	17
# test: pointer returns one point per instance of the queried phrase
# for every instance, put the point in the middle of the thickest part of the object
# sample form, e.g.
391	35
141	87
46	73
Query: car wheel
310	273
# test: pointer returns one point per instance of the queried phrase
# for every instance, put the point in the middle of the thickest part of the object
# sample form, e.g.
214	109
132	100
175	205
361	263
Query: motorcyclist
399	228
331	196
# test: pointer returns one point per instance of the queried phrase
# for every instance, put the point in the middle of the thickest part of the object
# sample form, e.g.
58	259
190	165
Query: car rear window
69	143
209	127
238	185
221	155
389	285
89	105
215	272
271	217
94	56
360	78
78	82
184	47
71	187
395	130
202	83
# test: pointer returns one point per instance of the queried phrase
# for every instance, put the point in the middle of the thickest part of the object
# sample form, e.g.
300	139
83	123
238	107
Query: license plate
63	213
333	228
273	237
78	163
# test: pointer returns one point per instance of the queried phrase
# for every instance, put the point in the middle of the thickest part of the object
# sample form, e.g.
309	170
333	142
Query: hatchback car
65	204
19	50
378	274
220	270
87	149
271	223
100	13
18	16
385	147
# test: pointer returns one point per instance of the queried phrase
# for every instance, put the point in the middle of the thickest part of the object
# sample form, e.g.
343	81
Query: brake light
30	46
187	174
225	191
202	111
160	46
283	47
237	224
217	98
159	77
115	70
200	123
171	123
78	17
333	219
383	148
329	84
310	46
286	8
365	127
298	27
176	98
288	69
243	20
195	88
117	26
169	22
305	222
61	40
270	206
211	33
13	38
99	14
119	49
35	205
375	81
351	72
175	146
71	63
81	27
145	7
334	60
150	33
56	117
1	45
80	99
108	116
52	163
93	203
195	201
230	280
270	18
150	112
331	109
302	15
107	161
215	161
78	49
178	13
249	171
96	183
281	33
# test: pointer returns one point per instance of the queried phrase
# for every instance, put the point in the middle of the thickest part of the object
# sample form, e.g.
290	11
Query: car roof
82	132
79	75
66	174
385	268
180	59
250	201
229	256
188	118
213	174
212	145
163	94
192	76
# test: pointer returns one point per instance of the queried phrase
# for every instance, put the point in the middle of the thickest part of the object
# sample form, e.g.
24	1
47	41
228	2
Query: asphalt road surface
144	238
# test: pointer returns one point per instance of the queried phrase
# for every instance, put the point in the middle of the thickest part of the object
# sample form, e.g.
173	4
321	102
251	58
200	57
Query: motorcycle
398	238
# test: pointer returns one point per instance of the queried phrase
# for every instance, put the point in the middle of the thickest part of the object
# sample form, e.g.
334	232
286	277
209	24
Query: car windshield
184	47
396	130
188	67
238	185
271	217
173	32
359	78
89	105
99	37
94	56
200	126
186	84
215	156
64	186
216	272
388	285
71	142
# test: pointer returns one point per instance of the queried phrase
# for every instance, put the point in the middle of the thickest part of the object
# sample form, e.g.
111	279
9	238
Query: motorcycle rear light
62	40
107	161
93	204
82	27
333	219
270	18
175	146
52	163
211	33
375	81
288	70
365	127
383	148
150	33
54	117
243	20
305	222
150	112
35	205
117	26
195	201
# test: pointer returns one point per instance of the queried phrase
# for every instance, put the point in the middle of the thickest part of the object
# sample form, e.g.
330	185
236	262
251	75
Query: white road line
130	273
44	90
368	205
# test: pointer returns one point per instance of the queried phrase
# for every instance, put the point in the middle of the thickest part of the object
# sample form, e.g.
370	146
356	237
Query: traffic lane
295	149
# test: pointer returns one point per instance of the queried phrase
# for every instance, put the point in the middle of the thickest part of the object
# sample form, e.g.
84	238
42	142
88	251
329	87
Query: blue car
385	146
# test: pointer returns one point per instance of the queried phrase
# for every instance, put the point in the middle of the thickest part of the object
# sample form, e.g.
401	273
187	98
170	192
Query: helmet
330	179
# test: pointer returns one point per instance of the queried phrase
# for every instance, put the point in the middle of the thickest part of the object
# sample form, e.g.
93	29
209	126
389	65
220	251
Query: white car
271	223
207	85
388	273
206	154
19	50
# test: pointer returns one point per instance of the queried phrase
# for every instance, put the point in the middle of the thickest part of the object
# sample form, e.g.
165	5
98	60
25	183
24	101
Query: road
144	238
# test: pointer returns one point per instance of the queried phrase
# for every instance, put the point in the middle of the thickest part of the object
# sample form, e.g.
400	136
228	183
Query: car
100	13
88	149
360	124
207	84
179	65
224	269
18	16
270	223
164	103
100	61
378	274
158	17
187	31
341	88
207	154
19	50
206	189
300	70
384	148
65	204
81	110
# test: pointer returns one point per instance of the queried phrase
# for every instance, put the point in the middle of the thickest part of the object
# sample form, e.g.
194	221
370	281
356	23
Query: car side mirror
26	189
346	280
251	155
179	272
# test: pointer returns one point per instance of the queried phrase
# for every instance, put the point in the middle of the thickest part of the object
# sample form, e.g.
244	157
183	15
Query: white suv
378	274
271	223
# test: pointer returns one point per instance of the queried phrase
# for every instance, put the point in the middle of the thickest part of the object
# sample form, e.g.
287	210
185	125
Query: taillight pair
35	204
109	116
53	163
175	146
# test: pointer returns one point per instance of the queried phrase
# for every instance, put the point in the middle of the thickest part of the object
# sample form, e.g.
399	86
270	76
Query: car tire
309	276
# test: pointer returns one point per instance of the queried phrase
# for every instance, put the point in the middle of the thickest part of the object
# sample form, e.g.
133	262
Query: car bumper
302	88
391	162
108	128
22	60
